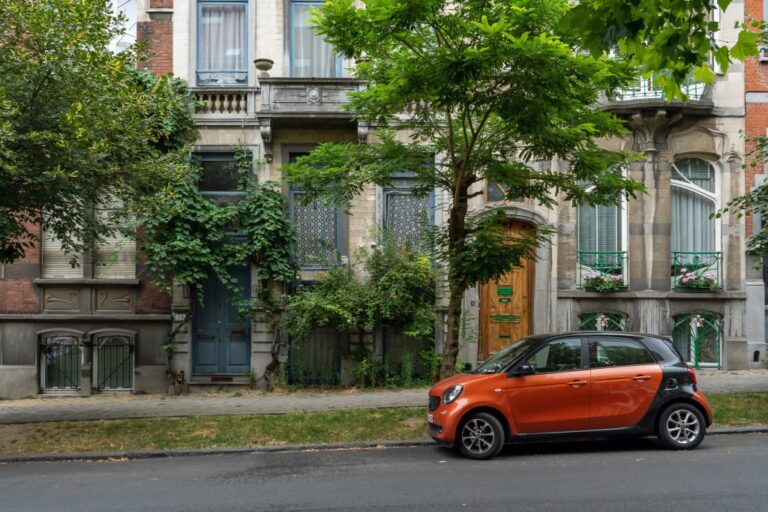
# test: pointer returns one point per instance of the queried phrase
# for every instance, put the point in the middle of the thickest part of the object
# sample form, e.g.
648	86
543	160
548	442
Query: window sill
81	281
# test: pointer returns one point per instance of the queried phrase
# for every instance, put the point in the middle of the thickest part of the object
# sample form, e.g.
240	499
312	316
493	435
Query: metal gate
113	358
61	366
316	360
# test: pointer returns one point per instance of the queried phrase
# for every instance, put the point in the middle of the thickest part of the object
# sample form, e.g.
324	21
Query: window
697	336
602	321
113	360
318	229
58	264
220	177
222	35
406	216
310	55
618	352
600	254
694	199
561	355
114	257
61	356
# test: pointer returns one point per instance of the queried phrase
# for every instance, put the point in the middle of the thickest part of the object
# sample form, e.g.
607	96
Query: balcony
306	97
602	271
224	105
645	93
697	271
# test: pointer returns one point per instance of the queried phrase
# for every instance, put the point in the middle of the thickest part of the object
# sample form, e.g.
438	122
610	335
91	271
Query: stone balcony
225	105
292	101
645	94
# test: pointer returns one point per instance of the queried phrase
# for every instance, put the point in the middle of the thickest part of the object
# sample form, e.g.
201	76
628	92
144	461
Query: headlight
452	393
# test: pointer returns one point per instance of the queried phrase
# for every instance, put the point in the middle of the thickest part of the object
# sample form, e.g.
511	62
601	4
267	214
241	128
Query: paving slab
101	407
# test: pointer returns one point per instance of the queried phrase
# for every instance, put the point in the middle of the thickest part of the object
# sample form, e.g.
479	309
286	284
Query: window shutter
115	258
57	263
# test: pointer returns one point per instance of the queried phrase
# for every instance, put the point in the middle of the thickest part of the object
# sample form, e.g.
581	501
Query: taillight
693	376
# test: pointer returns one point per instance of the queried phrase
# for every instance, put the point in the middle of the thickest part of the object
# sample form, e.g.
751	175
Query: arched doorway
506	304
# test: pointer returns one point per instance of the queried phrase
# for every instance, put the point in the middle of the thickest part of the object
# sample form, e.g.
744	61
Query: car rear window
608	352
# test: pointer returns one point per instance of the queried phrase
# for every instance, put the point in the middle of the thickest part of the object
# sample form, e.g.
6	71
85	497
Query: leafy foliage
187	237
79	124
495	90
678	36
399	290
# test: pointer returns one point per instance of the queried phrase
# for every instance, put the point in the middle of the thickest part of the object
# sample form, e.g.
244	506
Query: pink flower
683	270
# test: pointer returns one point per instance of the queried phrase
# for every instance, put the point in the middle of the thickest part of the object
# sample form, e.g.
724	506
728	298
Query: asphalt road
727	472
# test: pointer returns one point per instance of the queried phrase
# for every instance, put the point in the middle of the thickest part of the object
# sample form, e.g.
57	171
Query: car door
624	380
555	398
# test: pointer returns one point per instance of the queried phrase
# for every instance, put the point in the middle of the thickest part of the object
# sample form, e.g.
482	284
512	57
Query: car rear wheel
681	427
481	436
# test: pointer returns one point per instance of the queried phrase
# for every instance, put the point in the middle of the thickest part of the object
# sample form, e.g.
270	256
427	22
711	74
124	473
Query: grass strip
404	423
214	431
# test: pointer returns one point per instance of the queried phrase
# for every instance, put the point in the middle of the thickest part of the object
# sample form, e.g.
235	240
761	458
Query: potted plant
604	283
697	281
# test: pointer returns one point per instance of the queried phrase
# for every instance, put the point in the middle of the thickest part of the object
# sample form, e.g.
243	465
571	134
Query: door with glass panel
222	35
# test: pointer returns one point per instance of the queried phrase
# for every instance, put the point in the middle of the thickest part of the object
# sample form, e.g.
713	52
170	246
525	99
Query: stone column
649	214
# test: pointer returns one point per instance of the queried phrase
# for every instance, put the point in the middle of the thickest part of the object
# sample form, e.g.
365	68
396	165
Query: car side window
610	352
560	355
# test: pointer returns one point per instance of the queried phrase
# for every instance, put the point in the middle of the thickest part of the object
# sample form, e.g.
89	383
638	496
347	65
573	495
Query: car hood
463	378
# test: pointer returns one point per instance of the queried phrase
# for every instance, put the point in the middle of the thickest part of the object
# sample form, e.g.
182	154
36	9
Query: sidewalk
148	406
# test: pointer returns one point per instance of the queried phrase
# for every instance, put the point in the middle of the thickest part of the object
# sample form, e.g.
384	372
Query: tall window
600	255
698	336
694	199
310	55
600	228
406	216
222	54
318	229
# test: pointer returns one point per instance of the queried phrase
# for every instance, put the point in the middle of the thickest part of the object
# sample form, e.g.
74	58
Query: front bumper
443	422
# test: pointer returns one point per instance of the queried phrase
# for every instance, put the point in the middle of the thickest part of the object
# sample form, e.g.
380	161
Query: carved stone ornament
265	127
648	126
362	132
313	95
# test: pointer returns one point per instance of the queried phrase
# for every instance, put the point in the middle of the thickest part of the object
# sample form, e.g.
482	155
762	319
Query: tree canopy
79	124
488	91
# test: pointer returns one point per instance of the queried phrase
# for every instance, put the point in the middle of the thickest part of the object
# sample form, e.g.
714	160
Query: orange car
578	384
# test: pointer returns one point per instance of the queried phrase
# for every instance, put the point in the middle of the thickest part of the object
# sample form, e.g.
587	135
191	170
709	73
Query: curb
156	454
362	445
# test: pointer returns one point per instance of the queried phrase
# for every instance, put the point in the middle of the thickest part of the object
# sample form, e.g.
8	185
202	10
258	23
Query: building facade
267	83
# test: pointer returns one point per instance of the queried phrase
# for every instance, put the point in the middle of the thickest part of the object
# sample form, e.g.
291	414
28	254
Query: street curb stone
155	454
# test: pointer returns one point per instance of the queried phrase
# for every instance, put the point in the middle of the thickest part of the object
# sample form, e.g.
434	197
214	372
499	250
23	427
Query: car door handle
642	378
577	383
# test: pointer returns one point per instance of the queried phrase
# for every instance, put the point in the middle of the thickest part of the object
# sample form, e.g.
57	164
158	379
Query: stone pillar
649	215
755	316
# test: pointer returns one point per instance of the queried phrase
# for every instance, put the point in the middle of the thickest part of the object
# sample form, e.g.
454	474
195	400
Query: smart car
571	384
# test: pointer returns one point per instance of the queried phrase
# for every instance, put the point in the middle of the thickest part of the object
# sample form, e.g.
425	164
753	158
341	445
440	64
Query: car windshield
501	359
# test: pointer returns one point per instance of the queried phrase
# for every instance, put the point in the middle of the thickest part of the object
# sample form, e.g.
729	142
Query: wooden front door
505	305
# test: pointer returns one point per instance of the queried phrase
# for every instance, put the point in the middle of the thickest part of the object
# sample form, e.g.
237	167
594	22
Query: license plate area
430	418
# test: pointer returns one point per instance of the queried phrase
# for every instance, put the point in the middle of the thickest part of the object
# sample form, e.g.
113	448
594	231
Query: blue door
221	335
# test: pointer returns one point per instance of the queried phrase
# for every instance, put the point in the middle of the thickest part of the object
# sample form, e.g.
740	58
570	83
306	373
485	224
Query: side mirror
521	371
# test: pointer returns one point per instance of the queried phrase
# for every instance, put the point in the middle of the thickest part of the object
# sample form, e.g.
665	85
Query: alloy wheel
683	426
478	436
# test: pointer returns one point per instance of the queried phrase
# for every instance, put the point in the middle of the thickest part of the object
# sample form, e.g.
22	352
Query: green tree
79	124
491	90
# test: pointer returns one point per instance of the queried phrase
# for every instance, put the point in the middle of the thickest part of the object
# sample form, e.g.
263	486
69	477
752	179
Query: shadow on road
573	446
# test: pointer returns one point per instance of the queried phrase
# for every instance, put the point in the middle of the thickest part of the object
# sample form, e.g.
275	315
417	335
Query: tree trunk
457	282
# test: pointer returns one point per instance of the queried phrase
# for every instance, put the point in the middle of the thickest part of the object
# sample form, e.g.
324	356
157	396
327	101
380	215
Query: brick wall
160	37
756	116
18	296
152	300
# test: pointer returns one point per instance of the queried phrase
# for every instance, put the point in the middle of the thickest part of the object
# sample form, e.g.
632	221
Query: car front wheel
481	436
681	427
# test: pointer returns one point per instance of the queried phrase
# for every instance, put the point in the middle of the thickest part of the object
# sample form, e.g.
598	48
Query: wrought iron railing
602	270
648	88
697	271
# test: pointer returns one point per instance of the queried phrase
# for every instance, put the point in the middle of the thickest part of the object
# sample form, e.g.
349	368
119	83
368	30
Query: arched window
695	248
113	359
698	336
602	321
61	356
600	253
